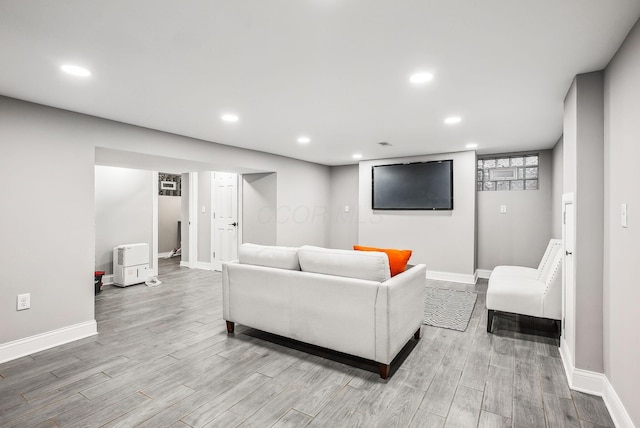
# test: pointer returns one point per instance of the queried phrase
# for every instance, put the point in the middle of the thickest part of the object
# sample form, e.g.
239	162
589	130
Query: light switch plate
623	219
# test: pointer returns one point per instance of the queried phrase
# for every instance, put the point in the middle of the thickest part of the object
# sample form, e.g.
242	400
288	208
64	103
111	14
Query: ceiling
336	71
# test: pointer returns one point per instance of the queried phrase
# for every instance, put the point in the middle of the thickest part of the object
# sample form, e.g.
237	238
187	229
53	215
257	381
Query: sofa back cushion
372	266
269	256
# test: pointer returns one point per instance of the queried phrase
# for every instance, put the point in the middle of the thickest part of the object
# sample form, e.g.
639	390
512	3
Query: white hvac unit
130	264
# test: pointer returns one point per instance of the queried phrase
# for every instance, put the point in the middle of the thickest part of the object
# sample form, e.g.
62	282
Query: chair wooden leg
384	370
230	327
418	334
489	320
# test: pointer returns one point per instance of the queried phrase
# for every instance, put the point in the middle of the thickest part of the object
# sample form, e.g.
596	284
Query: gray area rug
448	308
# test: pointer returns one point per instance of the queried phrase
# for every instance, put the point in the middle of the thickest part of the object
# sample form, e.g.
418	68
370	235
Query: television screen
413	186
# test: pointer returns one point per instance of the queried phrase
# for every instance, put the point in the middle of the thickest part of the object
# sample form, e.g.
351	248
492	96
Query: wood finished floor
163	358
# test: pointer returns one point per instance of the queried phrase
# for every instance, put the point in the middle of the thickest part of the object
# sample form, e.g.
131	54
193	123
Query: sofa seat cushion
269	256
516	295
372	266
515	271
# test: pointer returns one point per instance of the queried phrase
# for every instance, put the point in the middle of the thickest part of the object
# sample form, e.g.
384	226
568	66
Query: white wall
302	187
46	220
583	175
48	215
259	208
556	190
622	245
184	214
344	192
443	240
124	211
204	216
519	236
168	217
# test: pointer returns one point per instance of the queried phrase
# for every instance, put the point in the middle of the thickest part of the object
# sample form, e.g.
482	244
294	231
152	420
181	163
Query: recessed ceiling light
452	120
230	118
75	70
471	145
304	140
420	78
357	156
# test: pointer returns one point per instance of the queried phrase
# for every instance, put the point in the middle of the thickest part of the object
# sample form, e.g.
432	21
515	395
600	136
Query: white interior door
568	275
225	218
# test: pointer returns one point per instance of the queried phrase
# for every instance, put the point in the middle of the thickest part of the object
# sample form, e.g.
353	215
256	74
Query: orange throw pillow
398	259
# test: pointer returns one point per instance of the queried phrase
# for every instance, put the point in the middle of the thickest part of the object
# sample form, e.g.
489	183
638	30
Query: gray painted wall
443	240
520	236
259	204
344	192
556	190
584	169
168	217
622	245
124	211
46	221
52	233
204	216
302	187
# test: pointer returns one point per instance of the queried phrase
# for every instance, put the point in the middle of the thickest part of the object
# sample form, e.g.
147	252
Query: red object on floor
97	280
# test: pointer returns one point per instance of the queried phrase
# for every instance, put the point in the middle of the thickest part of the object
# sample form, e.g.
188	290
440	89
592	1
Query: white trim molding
30	345
483	273
595	384
204	265
452	277
154	220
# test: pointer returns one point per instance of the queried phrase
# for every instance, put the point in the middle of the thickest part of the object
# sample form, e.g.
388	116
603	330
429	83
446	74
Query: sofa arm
399	311
225	287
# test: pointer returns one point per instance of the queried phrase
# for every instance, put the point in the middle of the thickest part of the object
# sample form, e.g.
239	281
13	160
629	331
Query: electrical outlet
24	302
503	209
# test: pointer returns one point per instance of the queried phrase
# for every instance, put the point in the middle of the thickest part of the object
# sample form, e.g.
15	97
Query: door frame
568	337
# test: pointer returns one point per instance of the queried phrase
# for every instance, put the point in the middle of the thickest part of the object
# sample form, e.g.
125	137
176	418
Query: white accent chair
528	291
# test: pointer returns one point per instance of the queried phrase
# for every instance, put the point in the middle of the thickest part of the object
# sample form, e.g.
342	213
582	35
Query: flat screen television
413	186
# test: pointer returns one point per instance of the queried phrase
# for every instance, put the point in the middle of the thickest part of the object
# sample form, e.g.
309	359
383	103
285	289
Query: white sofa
528	291
337	299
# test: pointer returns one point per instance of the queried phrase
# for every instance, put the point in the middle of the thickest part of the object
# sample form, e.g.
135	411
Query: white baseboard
451	277
204	265
483	273
198	265
595	384
107	279
164	255
30	345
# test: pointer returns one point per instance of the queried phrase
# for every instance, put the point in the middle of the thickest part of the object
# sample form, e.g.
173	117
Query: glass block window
508	173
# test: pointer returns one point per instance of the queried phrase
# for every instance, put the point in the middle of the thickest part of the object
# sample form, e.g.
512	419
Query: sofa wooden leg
418	334
384	370
489	320
230	327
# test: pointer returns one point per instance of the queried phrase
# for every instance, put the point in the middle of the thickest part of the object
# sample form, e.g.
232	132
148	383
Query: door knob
233	224
568	253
